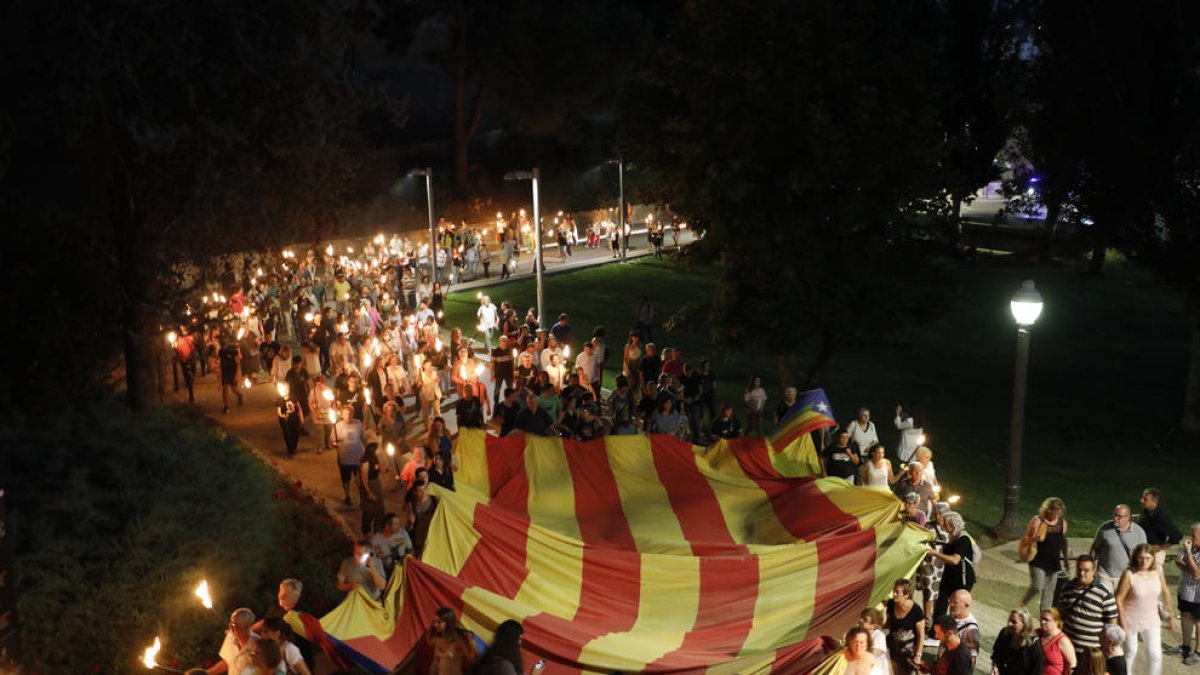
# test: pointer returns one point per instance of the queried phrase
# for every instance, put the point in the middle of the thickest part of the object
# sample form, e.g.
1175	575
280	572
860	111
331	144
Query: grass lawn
1106	378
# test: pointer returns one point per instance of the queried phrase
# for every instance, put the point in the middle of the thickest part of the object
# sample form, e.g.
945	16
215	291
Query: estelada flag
640	554
810	412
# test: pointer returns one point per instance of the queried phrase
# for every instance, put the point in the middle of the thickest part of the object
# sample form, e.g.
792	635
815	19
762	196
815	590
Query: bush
115	518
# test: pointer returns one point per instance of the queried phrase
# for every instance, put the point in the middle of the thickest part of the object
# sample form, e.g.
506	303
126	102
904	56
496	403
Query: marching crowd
1092	623
355	346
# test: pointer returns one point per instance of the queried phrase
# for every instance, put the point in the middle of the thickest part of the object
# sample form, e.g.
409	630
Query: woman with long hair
454	651
438	440
1141	587
504	656
1017	650
1048	531
629	361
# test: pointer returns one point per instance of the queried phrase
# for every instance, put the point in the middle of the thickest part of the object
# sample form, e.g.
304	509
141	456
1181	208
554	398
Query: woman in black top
906	629
1017	650
958	571
1049	530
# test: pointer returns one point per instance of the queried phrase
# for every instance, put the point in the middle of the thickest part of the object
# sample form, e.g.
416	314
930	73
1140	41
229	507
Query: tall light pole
533	176
620	162
428	174
1026	306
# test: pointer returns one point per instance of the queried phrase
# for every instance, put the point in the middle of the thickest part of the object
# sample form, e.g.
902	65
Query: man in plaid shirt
1189	593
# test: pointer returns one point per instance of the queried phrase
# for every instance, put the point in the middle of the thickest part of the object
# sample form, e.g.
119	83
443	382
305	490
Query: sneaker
1191	659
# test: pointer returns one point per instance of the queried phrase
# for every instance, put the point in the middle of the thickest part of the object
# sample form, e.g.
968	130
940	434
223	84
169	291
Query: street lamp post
620	162
538	265
428	174
1026	306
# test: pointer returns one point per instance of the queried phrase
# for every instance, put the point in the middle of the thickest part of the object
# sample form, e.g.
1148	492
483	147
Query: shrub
116	517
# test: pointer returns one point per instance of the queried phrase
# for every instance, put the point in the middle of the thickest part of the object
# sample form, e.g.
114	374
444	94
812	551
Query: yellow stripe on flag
470	450
555	558
746	508
667	608
786	596
644	499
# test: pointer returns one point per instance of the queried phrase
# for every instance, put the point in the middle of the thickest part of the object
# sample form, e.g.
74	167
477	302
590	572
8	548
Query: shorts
347	471
1186	607
229	378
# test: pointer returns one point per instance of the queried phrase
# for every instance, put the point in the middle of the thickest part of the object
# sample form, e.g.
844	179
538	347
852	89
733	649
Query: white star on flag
822	407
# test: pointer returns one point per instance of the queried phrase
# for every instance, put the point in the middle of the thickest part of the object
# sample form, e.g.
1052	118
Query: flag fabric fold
642	554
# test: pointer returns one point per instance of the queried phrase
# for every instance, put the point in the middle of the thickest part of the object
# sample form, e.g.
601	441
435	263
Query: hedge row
116	517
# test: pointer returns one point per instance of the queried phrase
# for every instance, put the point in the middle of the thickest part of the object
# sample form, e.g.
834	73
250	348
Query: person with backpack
958	559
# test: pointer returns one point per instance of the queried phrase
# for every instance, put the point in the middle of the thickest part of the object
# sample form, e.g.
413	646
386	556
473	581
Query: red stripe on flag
802	657
802	507
508	510
728	572
610	587
845	577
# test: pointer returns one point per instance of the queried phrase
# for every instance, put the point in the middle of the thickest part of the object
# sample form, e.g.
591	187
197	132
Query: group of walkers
1093	623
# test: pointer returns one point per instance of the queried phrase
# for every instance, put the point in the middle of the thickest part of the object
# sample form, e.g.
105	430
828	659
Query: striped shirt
1084	611
1189	586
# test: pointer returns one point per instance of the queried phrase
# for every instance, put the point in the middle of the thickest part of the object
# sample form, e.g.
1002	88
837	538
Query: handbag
1027	548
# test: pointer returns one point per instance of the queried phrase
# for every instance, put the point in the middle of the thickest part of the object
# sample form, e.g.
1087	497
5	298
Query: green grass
1106	377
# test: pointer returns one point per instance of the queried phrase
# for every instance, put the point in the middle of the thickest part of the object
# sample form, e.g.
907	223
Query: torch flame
327	395
151	652
566	351
171	337
391	450
332	417
329	250
202	593
437	344
246	383
954	499
241	333
282	388
367	395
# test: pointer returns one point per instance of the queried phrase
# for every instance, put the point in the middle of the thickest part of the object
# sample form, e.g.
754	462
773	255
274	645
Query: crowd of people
1092	623
358	348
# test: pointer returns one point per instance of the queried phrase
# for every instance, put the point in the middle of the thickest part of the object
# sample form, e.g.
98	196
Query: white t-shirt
237	658
487	316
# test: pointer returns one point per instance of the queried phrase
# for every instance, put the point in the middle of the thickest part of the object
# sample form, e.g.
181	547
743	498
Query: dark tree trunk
1046	241
135	277
785	364
955	230
465	125
817	368
1096	264
1191	400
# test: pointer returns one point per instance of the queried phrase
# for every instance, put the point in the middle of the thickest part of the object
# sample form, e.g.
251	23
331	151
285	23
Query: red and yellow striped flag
636	553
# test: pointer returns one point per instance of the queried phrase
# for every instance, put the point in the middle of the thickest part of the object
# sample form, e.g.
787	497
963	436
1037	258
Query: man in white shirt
239	642
588	361
488	320
862	433
552	348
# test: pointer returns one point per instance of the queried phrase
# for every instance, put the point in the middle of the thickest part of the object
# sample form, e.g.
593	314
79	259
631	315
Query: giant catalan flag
641	554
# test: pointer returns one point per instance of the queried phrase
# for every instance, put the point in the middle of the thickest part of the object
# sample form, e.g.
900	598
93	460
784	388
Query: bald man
1114	540
966	625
